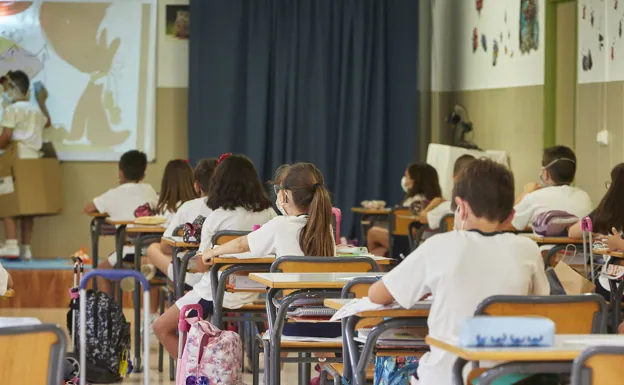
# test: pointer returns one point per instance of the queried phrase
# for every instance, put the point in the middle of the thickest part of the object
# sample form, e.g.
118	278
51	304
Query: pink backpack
553	223
209	353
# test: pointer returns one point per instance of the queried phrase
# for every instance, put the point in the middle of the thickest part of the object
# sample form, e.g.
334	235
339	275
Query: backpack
192	231
145	210
108	338
211	354
395	370
553	223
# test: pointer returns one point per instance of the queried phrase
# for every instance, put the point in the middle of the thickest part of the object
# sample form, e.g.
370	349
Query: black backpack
108	337
192	231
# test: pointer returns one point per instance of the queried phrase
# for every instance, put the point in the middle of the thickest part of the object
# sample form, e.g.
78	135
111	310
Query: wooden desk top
567	347
421	311
307	280
145	229
177	242
408	217
378	260
552	240
243	261
613	253
98	215
116	222
364	211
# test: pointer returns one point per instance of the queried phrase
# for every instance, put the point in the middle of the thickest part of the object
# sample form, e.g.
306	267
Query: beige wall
62	235
599	106
508	119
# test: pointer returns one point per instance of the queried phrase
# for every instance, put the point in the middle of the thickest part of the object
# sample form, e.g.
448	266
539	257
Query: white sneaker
25	253
10	250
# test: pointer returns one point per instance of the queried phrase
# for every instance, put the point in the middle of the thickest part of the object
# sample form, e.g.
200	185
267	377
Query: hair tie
222	157
316	186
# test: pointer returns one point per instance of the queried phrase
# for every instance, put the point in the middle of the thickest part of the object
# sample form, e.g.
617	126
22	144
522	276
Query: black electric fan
461	124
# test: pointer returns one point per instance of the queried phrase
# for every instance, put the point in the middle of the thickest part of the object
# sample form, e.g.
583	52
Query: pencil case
485	331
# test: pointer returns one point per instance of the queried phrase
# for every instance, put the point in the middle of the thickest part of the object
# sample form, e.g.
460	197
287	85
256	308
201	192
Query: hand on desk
208	255
613	241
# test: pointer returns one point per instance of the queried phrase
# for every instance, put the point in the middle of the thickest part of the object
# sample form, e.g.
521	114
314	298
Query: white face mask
279	206
404	184
458	224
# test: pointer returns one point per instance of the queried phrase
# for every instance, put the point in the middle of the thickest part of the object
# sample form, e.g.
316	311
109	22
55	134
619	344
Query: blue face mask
7	97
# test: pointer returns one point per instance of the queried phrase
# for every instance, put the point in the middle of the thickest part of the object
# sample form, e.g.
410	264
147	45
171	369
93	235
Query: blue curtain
332	82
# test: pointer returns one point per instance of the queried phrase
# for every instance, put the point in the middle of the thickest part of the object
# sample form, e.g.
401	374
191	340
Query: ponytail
316	238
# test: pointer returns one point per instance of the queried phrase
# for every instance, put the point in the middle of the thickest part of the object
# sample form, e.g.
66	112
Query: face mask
404	184
279	206
7	97
458	224
541	180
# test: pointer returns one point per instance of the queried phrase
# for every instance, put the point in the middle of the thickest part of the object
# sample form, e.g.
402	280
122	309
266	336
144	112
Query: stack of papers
404	337
364	304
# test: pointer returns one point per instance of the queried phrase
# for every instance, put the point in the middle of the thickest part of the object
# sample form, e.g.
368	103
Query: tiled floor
58	316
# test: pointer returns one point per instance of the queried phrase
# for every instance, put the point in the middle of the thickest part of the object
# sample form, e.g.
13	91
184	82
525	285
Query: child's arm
237	246
41	97
575	231
5	137
378	293
528	188
614	241
90	208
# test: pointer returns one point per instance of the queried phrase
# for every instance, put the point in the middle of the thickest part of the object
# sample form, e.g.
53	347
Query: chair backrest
223	237
299	264
32	354
572	314
357	287
337	213
399	221
599	365
447	223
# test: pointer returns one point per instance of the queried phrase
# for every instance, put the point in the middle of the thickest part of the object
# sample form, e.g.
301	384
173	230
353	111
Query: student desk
395	318
367	214
524	360
306	285
615	290
97	219
143	233
560	244
179	275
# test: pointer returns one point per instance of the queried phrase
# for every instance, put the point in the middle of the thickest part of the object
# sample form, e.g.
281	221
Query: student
438	209
177	187
238	202
421	186
159	254
6	282
22	122
280	172
120	202
607	219
462	268
554	191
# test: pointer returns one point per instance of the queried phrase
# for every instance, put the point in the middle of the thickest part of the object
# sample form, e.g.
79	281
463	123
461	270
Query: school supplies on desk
243	282
487	331
401	337
360	305
311	311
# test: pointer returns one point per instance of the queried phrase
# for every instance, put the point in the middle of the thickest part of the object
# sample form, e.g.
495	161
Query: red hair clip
222	158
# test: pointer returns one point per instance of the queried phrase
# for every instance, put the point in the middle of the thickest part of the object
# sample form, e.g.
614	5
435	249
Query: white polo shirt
187	213
27	121
461	269
120	202
566	198
435	216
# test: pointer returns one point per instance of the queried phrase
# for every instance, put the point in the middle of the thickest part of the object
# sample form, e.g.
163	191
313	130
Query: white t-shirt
121	202
27	121
187	213
280	236
461	269
4	280
238	219
566	198
435	216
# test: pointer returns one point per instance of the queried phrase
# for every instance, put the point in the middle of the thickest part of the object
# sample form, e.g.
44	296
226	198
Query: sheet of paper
304	339
6	322
360	305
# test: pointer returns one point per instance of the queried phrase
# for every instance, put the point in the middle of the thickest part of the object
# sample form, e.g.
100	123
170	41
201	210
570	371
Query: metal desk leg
96	225
181	274
350	347
615	305
618	306
120	237
175	262
458	371
136	298
304	369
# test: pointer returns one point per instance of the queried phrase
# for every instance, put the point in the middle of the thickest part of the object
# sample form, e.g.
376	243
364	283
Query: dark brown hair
203	173
610	211
176	186
426	181
461	163
305	185
235	183
132	165
488	187
560	162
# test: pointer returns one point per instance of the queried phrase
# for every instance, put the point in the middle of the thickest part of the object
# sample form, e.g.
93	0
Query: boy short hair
203	173
20	79
489	189
560	161
133	164
461	163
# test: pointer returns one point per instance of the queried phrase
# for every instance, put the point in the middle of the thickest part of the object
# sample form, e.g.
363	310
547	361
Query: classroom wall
502	89
62	235
600	93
